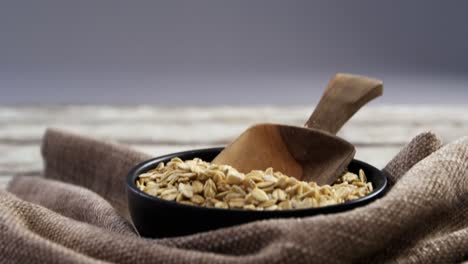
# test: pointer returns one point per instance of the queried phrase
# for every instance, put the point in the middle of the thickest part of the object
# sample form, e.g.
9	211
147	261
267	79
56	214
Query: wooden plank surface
377	131
27	158
373	125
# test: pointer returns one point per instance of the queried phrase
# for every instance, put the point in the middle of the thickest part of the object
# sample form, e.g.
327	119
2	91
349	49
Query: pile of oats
196	182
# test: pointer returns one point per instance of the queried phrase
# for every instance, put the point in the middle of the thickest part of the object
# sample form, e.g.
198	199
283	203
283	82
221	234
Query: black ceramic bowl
154	217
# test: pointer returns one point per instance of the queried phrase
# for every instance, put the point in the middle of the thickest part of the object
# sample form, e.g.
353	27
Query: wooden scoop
311	153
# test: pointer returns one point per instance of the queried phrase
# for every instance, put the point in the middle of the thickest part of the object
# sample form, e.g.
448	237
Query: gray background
229	52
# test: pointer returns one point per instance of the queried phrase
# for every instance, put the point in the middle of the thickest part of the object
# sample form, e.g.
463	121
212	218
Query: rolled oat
196	182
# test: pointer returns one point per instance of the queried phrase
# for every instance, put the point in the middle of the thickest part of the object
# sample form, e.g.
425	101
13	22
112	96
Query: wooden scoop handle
345	94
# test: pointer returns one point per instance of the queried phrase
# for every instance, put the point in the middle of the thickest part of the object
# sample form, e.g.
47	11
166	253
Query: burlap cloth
78	214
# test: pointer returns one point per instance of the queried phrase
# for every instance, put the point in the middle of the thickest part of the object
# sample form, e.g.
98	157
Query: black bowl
154	217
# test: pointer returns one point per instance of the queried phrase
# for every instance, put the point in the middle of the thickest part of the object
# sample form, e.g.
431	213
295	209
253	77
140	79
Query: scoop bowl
156	218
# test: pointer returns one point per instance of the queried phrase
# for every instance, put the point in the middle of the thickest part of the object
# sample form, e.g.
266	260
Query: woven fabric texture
77	213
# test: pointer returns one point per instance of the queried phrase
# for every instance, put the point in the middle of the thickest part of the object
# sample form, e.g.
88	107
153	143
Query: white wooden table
377	131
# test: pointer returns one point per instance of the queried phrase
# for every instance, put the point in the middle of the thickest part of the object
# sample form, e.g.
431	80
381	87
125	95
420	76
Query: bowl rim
132	175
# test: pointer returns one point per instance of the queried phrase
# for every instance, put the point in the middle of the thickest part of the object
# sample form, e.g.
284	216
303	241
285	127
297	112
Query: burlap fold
77	214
